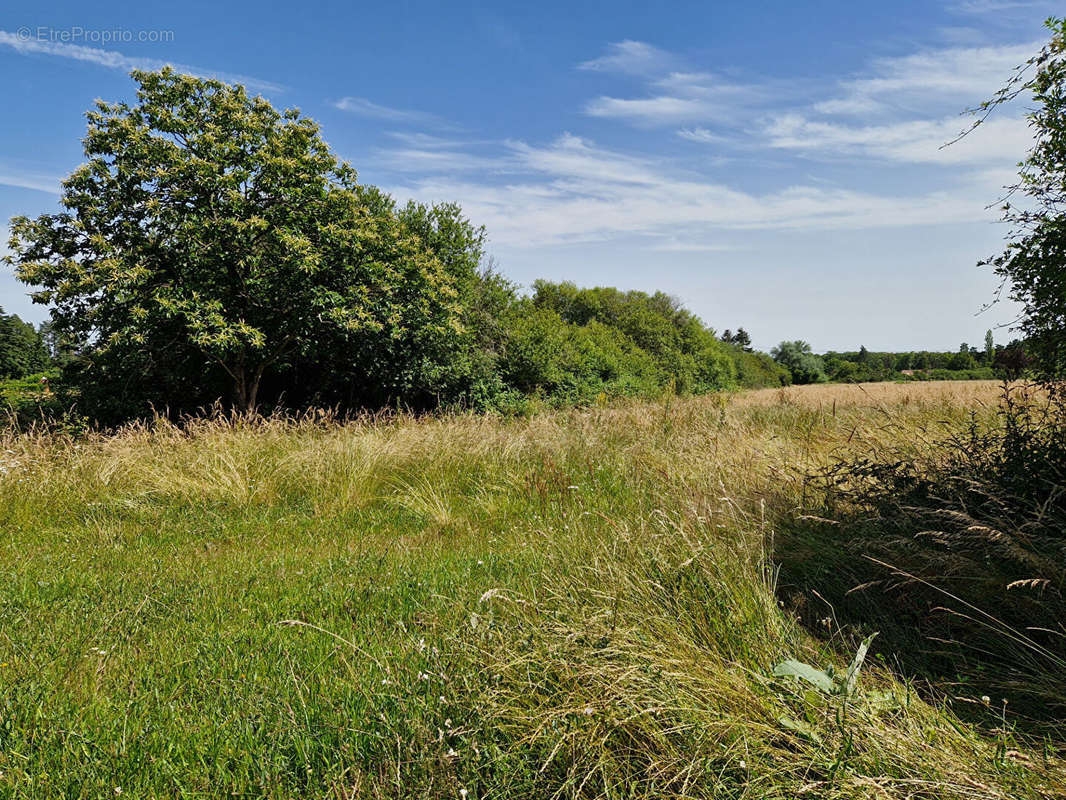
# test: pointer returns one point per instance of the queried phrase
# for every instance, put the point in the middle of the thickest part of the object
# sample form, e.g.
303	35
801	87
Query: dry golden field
954	393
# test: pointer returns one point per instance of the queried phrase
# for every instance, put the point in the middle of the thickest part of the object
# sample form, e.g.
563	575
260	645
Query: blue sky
776	165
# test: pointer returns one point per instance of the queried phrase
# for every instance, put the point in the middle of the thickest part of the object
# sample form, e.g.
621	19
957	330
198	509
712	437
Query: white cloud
663	110
437	160
112	59
899	112
630	57
674	245
900	107
577	191
930	80
684	97
365	108
853	106
703	136
426	140
999	140
707	85
423	152
28	179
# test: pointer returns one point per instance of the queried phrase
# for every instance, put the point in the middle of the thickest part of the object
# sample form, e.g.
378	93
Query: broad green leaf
797	669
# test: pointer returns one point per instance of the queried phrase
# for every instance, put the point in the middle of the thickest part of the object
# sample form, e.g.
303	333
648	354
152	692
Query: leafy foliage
803	364
1033	266
22	348
864	365
211	240
757	370
828	680
657	330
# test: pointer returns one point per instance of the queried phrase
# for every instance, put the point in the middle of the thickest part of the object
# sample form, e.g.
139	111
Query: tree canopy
210	239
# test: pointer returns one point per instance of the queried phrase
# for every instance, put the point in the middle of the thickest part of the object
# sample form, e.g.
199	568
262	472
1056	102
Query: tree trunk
246	387
253	391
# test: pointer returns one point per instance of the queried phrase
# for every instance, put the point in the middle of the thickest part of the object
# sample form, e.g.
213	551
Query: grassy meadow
581	603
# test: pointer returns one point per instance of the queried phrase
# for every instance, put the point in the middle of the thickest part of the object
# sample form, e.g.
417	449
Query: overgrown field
581	603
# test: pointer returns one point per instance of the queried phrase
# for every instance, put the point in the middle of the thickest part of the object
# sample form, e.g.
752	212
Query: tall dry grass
955	544
582	603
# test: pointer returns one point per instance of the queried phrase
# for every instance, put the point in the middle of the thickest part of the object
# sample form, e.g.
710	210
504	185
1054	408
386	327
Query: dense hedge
560	345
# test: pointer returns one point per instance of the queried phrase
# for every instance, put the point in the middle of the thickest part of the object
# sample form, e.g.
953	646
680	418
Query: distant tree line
967	363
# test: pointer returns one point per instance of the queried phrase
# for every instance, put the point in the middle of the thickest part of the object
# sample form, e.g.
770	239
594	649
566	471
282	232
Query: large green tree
210	234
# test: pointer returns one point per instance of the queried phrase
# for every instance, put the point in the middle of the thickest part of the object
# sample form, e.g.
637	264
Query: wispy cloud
674	245
428	141
894	112
999	140
22	178
438	160
631	57
112	59
662	110
703	136
927	80
366	108
682	97
577	191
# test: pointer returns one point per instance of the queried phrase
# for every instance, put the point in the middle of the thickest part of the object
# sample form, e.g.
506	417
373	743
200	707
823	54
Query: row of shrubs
559	345
976	374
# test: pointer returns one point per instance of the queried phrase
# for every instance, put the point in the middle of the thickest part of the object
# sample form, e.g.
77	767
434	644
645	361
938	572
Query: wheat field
580	603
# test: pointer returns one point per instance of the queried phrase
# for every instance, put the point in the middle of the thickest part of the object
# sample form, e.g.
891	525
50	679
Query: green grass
577	604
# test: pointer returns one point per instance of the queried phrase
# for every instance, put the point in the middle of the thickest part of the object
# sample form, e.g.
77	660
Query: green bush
549	358
757	370
802	364
655	328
